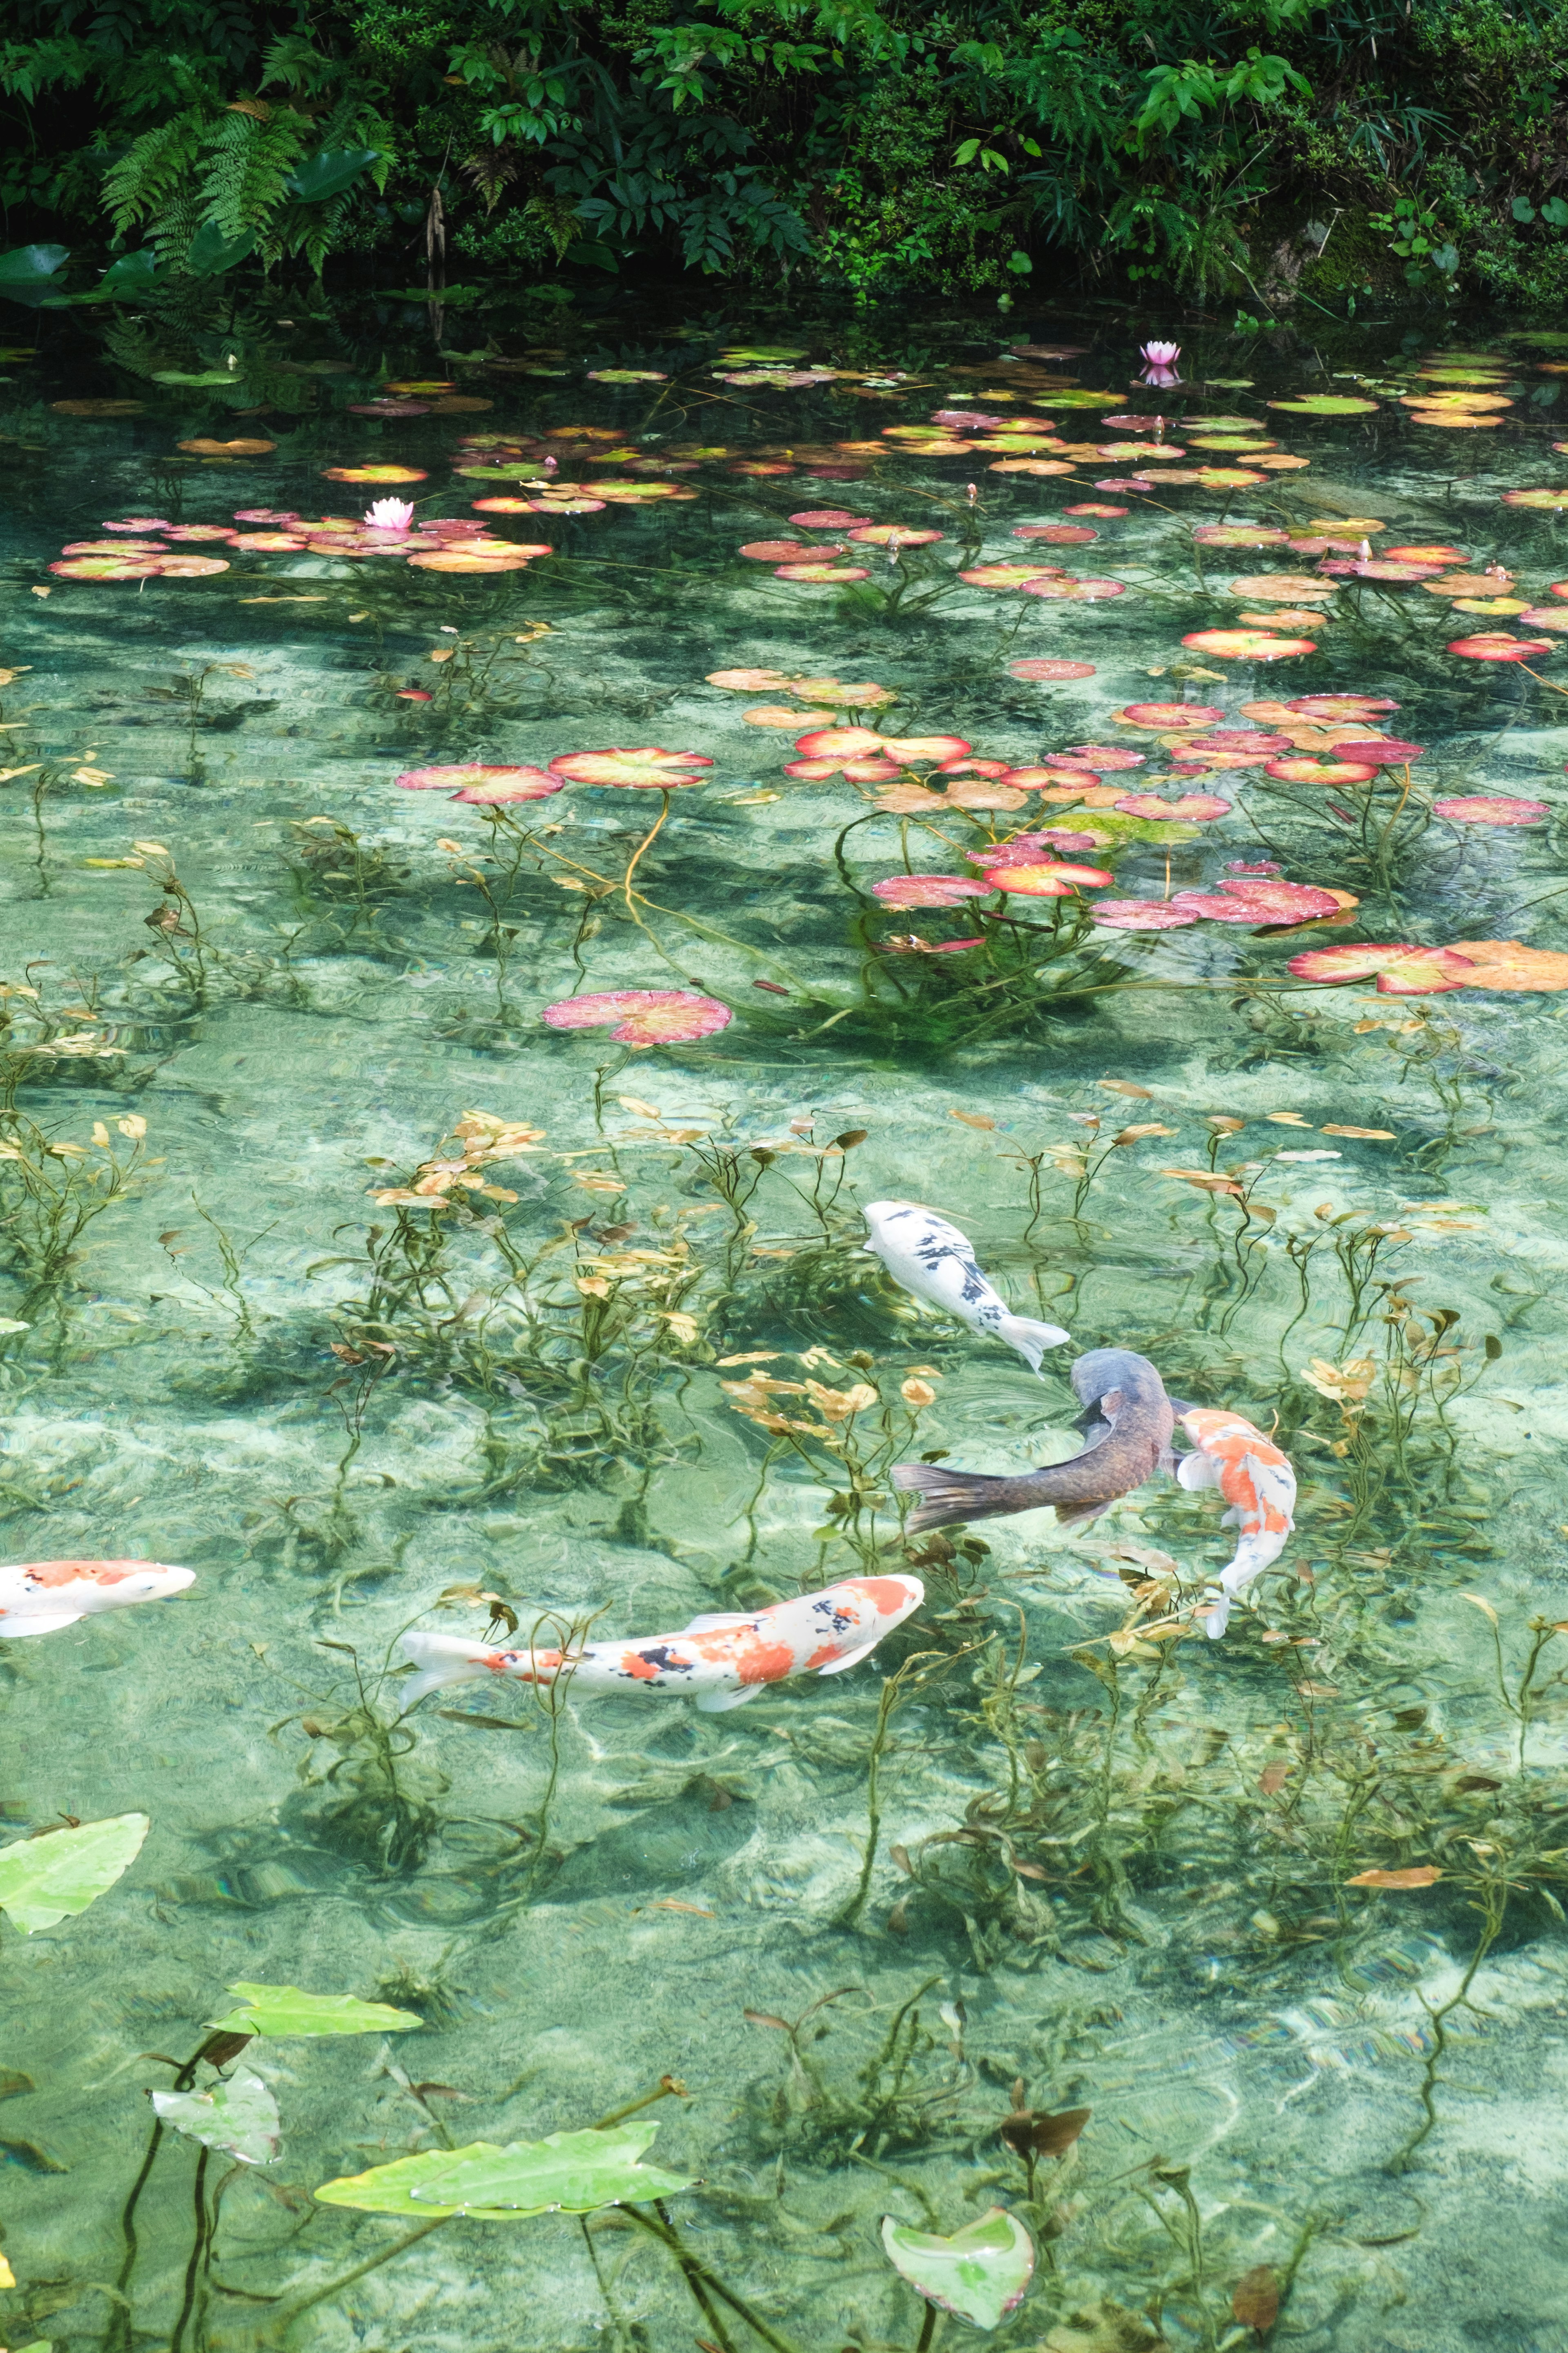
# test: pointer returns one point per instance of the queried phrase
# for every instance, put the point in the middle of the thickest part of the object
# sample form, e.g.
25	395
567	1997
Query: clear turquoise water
334	1410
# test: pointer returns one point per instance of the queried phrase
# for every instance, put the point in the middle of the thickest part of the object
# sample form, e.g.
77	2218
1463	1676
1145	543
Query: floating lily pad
1325	404
1507	964
980	2274
1481	808
647	768
1247	645
373	474
929	889
1321	772
1143	915
1498	648
1047	666
472	781
642	1016
822	575
1161	716
1190	809
1403	969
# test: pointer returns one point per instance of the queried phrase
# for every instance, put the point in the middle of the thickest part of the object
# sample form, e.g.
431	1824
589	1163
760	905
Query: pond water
342	1273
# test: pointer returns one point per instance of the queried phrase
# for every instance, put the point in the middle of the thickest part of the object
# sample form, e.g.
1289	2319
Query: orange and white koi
1257	1482
39	1597
722	1660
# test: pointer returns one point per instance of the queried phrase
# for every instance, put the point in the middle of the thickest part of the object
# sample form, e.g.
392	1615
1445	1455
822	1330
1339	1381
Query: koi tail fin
1030	1338
443	1659
950	1496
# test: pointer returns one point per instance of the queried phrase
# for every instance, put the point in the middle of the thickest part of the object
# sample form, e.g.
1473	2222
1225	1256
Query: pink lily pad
1321	772
472	781
1074	592
1259	899
1094	507
1403	968
822	574
886	534
648	768
787	551
1488	809
1103	757
1347	708
642	1016
1496	646
1045	666
845	744
830	519
1247	645
929	889
1192	808
1381	751
1056	534
1143	915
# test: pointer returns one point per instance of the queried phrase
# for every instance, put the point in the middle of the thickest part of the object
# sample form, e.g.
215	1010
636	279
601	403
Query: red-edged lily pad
1403	969
1550	500
1259	899
1163	717
1192	808
1320	772
1383	751
1346	707
1072	592
830	519
1247	645
642	1016
890	534
1056	534
822	574
1005	576
1498	647
473	781
1239	535
647	768
930	890
1045	666
787	551
373	474
850	744
1143	915
1482	808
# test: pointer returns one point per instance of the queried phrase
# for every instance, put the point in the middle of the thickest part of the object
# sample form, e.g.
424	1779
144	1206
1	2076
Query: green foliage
865	148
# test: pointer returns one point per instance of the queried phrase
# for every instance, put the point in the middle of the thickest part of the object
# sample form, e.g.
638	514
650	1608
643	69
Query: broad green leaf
284	2009
982	2272
211	251
26	272
208	375
239	2116
572	2172
43	1879
330	173
133	273
1325	404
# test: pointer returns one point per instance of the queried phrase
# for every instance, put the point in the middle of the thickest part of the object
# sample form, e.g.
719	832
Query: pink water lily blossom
1160	363
390	514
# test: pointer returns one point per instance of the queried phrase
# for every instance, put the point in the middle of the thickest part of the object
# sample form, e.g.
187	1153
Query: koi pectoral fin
17	1629
715	1703
1072	1516
850	1659
1195	1470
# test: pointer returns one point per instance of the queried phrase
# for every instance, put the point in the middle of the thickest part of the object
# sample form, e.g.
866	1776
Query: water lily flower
390	514
1160	363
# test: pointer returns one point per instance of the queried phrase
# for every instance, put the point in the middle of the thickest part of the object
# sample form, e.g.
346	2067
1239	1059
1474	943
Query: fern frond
247	164
151	167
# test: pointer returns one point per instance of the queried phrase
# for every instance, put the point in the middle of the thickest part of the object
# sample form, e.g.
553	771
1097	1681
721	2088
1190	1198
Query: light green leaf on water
209	375
43	1879
239	2116
568	2172
284	2009
981	2273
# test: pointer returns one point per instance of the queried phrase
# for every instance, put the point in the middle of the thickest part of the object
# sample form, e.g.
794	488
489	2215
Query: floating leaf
1506	964
1482	808
824	574
829	519
374	473
1320	772
642	1016
1424	1874
238	2116
1192	808
889	534
1403	969
1259	899
1498	647
1143	915
1046	666
58	1875
568	2172
1325	404
929	889
284	2009
981	2272
1247	645
647	768
1163	716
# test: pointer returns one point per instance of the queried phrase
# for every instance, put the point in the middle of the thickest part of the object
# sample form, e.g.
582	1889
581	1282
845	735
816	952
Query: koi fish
927	1256
40	1596
1257	1482
1127	1421
724	1660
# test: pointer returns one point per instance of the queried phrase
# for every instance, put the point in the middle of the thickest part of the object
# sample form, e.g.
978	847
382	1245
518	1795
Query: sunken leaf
238	2116
981	2272
43	1879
